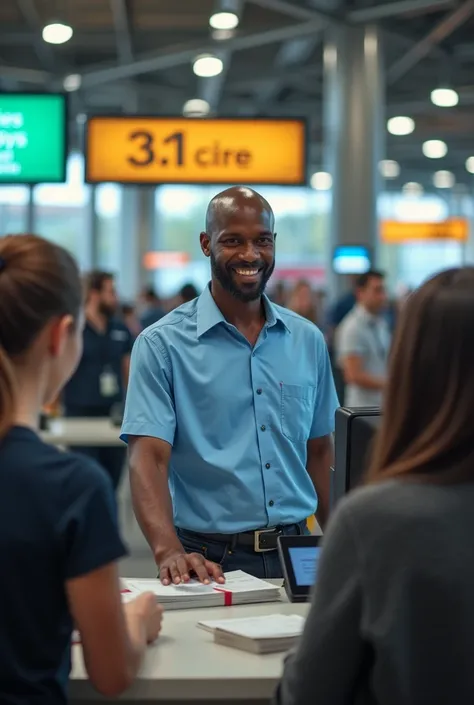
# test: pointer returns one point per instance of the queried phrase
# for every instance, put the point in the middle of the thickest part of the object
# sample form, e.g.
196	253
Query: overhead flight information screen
155	150
33	138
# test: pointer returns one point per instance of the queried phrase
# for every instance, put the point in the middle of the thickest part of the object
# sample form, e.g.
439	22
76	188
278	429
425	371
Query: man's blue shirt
238	417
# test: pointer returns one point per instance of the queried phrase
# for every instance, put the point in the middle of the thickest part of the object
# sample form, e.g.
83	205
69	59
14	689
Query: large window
302	224
13	209
409	264
61	211
108	208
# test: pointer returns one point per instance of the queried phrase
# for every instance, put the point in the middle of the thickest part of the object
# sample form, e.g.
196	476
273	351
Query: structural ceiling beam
393	9
25	75
32	18
185	53
299	13
420	50
122	31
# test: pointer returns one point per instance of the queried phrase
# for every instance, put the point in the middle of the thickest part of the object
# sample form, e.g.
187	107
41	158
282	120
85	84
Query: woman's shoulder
27	460
394	504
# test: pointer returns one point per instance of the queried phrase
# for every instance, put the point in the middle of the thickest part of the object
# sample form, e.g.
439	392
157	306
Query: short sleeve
326	396
349	341
149	407
88	530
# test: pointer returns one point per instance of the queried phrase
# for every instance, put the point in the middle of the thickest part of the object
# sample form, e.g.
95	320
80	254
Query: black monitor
355	431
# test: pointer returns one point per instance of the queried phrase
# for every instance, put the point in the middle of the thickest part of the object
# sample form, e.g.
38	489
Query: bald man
230	411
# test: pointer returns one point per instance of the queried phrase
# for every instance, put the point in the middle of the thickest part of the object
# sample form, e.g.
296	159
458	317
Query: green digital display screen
33	138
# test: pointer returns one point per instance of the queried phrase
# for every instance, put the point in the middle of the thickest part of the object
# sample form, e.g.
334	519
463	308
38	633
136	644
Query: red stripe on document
227	596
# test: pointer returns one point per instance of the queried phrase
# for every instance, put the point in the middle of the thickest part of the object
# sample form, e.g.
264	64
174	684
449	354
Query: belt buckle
256	540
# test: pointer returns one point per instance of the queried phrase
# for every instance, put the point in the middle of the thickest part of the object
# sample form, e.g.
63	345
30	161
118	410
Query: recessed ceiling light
224	20
72	82
444	179
57	33
196	108
389	169
207	66
444	97
401	125
470	165
435	149
412	189
321	181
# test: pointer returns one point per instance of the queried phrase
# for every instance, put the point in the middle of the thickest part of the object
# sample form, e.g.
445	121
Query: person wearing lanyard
230	411
363	342
100	380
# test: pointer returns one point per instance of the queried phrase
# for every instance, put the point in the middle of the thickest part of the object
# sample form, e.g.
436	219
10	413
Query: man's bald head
233	201
240	242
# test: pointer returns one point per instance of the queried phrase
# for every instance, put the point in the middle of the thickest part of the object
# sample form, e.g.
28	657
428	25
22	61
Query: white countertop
186	665
82	432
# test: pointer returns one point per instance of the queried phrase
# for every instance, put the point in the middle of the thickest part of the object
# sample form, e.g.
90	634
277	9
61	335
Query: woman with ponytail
59	542
392	614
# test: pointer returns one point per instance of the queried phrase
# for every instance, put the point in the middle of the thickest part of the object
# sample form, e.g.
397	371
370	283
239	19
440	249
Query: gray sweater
392	615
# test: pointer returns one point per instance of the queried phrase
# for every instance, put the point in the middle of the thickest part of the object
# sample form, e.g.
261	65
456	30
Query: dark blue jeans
261	565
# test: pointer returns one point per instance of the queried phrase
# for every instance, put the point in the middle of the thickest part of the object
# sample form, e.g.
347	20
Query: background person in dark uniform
100	380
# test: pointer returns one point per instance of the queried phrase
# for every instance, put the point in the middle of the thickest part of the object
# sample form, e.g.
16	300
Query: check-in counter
186	666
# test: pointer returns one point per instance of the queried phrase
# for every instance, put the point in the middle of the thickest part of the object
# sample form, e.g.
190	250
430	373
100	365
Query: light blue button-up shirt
238	417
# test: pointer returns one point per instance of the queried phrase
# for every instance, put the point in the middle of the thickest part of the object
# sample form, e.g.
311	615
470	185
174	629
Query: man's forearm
153	507
320	462
368	381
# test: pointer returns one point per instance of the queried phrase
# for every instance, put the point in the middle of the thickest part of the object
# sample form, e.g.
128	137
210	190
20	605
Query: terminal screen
304	561
351	259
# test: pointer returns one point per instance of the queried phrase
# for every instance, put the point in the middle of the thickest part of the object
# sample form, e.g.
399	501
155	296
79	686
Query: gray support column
136	238
30	211
354	133
88	257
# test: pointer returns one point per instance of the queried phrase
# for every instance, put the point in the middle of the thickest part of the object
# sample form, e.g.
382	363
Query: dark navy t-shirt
57	522
102	352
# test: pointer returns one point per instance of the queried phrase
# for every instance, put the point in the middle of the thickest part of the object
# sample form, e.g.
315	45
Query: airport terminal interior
121	120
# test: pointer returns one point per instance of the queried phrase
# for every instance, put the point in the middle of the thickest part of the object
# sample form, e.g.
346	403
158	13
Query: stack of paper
239	589
259	635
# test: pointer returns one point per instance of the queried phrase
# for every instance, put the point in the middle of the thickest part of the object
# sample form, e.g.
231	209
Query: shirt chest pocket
297	410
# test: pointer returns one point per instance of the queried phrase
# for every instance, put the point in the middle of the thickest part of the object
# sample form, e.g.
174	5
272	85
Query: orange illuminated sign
396	232
141	150
162	260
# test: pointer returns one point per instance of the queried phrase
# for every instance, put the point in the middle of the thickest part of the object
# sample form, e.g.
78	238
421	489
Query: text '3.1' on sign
140	150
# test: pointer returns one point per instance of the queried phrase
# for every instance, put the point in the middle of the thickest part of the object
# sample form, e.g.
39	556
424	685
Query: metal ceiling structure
137	55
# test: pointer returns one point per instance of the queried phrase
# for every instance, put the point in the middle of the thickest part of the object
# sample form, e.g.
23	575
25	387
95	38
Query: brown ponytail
7	393
38	281
426	431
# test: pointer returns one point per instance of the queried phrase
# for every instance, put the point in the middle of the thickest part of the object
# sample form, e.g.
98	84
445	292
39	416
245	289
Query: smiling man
230	412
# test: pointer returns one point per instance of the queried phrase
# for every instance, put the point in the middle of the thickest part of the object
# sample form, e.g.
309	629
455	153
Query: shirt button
268	466
263	428
259	391
271	503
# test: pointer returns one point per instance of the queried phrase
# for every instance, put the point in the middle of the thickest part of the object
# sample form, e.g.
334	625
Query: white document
271	626
194	587
235	581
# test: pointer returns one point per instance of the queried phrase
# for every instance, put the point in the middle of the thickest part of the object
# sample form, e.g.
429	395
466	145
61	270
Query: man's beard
106	310
252	291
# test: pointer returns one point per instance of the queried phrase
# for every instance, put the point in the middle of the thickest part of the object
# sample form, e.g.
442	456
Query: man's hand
177	567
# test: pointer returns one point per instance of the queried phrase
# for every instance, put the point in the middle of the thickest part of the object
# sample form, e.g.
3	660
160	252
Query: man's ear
205	241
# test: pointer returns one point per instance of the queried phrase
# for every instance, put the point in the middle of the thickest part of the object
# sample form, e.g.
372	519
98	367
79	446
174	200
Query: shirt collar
365	315
209	315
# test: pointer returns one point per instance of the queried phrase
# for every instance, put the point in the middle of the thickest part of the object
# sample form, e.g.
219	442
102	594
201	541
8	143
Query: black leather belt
261	540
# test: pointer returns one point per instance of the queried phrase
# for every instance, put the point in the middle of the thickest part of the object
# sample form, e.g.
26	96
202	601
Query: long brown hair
427	430
38	281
